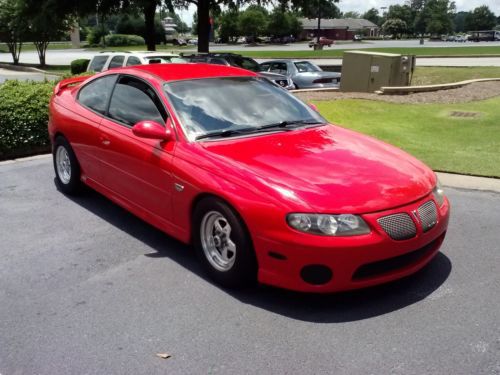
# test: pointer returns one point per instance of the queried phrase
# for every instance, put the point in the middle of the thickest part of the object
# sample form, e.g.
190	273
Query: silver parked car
304	74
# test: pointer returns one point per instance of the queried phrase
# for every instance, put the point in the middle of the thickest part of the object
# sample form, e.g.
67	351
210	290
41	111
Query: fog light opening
316	274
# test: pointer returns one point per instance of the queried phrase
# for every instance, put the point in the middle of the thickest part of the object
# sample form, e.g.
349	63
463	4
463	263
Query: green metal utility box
369	71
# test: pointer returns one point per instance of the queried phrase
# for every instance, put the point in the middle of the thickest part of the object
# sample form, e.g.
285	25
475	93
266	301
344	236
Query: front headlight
328	225
438	193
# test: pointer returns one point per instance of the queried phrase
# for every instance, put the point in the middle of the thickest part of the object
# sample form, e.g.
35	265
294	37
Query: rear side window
98	63
96	94
279	68
218	61
132	60
116	62
134	101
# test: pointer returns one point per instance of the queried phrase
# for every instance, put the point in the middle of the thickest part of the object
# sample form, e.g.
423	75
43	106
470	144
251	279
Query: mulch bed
469	93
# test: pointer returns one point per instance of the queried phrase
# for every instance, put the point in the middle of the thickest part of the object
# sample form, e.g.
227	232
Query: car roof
138	53
174	72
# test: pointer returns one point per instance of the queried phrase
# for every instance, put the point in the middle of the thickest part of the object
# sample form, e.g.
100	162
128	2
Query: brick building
338	28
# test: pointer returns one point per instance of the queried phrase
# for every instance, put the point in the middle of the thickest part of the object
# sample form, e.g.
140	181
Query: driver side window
133	100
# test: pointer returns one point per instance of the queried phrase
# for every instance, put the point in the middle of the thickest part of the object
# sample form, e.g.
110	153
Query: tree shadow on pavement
319	308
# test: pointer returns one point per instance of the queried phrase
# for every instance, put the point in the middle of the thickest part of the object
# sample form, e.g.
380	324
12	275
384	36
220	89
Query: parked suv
108	60
232	59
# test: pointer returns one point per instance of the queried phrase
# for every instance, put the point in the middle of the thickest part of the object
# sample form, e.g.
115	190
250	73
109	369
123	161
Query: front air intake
398	226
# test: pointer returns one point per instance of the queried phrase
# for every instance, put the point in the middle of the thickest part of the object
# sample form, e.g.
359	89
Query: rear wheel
223	244
66	167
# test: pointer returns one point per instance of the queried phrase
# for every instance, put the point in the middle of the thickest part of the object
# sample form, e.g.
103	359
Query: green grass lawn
435	75
427	131
335	53
159	48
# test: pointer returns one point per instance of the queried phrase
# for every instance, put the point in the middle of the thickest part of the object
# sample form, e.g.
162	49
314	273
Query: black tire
243	271
71	185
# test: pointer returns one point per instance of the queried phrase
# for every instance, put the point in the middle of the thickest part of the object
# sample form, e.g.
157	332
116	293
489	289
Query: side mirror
153	130
313	106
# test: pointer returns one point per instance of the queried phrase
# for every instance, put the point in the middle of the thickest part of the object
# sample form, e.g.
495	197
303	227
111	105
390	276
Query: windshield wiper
284	124
226	133
259	129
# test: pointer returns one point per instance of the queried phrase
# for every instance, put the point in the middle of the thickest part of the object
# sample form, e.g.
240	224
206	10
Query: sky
362	6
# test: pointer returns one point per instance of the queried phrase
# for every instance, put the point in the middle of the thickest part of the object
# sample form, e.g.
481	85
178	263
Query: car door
136	171
93	99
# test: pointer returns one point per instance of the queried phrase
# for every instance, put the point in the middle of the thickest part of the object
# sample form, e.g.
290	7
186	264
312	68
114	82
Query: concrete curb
469	182
390	90
447	179
21	68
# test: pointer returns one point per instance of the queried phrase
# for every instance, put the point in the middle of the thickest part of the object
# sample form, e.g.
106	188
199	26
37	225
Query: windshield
235	104
306	66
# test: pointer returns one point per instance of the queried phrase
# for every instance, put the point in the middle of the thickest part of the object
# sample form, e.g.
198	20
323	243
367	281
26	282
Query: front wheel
223	244
66	167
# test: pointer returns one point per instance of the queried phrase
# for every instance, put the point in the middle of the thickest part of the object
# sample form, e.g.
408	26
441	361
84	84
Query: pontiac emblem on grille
415	215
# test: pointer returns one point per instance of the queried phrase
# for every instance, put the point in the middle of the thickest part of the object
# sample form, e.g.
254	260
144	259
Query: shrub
24	117
79	66
118	40
96	34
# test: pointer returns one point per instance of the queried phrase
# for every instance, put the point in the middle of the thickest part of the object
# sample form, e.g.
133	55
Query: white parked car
108	60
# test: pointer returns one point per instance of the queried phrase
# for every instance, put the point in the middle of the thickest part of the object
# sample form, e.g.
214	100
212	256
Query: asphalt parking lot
87	288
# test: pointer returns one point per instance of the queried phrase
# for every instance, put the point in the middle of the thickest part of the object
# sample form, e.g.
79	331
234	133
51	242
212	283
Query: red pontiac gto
260	183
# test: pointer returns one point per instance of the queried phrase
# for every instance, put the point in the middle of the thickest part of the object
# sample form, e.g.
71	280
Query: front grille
381	267
398	226
428	215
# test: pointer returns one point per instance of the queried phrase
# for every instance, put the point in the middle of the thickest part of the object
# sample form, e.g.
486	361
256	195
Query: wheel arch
204	195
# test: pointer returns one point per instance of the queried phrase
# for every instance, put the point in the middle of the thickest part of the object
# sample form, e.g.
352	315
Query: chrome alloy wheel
63	165
215	234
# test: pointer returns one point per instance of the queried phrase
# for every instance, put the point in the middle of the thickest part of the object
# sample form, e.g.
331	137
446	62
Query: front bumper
285	258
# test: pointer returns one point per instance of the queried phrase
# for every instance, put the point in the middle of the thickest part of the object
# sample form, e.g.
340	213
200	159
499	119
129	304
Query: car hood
324	169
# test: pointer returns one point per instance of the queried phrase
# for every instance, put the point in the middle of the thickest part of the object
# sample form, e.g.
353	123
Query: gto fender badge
179	187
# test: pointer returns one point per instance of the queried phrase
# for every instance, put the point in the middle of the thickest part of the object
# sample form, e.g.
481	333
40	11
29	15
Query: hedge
79	66
23	118
118	40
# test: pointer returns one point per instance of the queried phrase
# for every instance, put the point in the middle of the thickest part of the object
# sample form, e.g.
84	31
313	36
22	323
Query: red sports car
262	186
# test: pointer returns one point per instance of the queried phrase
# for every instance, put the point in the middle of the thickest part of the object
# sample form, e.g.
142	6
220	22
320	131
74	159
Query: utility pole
319	21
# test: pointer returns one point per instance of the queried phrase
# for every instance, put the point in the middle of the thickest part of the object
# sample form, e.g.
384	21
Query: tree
46	24
13	27
229	29
404	13
351	14
372	15
309	8
279	23
394	26
253	21
435	17
204	21
481	18
459	21
441	17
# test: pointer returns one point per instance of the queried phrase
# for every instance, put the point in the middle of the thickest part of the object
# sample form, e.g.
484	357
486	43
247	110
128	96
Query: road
64	57
86	288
